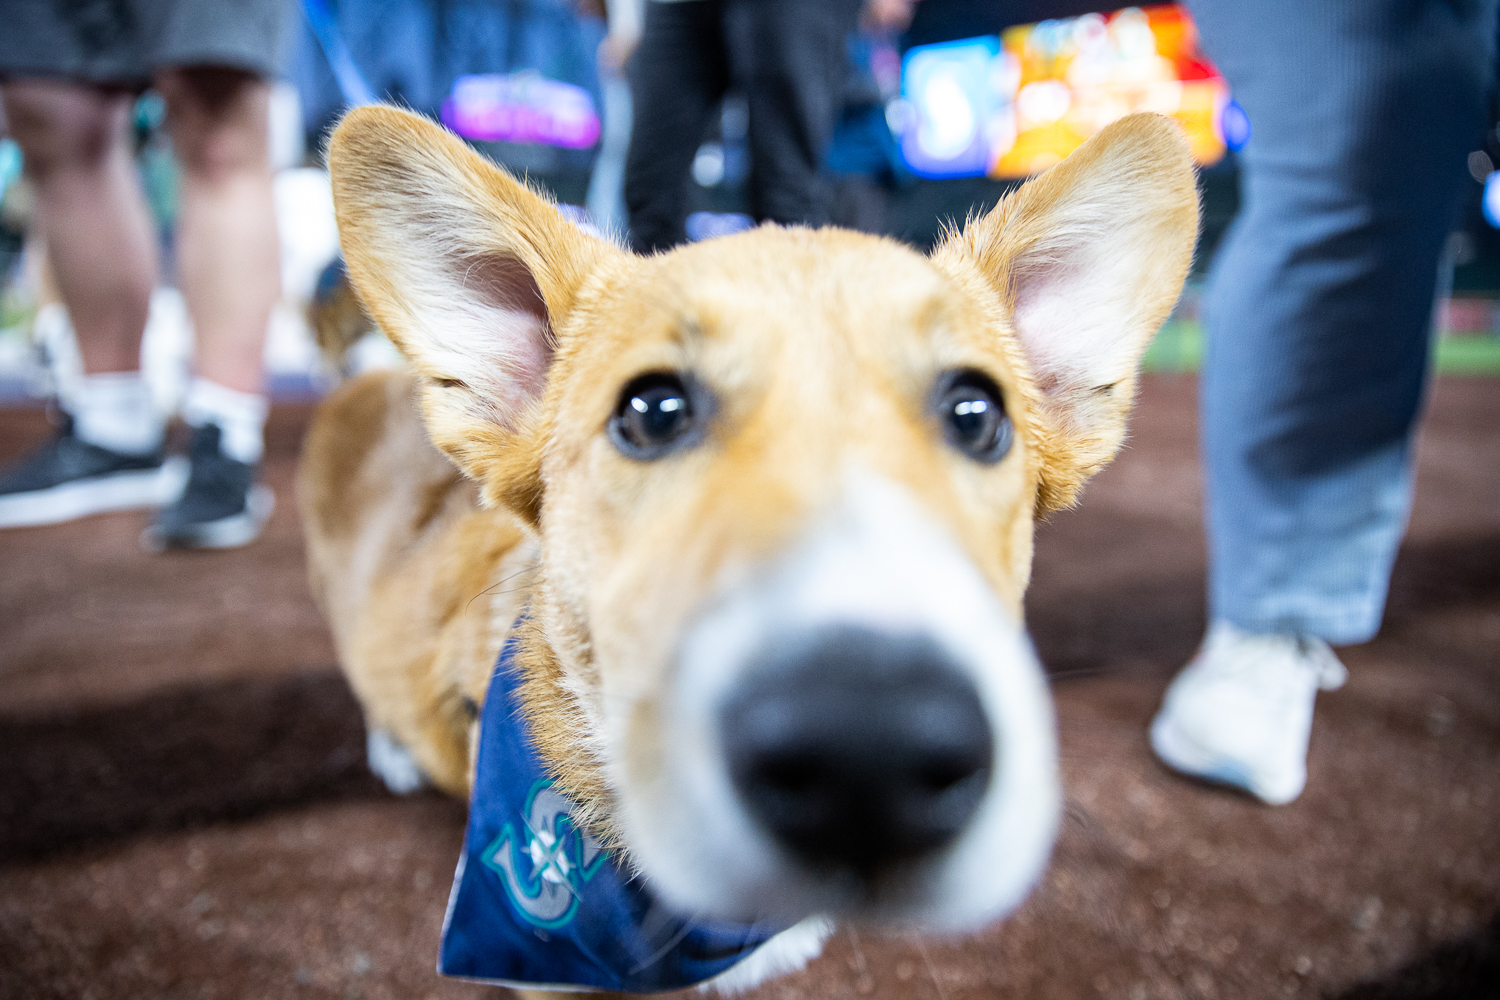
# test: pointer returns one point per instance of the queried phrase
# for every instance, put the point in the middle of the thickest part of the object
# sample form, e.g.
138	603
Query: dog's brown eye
973	416
654	416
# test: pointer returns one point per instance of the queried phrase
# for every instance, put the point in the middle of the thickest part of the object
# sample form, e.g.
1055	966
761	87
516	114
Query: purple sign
521	107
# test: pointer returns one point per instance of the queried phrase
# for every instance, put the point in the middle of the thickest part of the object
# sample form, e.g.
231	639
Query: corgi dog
746	525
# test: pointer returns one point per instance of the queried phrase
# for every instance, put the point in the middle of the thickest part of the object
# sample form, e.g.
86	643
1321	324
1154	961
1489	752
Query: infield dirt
185	813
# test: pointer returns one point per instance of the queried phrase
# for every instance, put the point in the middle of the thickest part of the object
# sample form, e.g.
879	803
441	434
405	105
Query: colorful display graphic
952	100
1013	105
522	107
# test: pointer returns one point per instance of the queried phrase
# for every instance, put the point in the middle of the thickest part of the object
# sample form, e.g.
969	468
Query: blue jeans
1319	307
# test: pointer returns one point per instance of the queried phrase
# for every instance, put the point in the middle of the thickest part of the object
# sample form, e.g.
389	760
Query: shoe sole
226	533
96	495
1186	756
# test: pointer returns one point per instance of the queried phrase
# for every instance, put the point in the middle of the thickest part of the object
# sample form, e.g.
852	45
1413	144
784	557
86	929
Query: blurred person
70	73
787	57
888	16
1318	316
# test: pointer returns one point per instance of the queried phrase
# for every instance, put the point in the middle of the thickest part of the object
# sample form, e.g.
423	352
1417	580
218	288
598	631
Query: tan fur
338	321
821	347
410	571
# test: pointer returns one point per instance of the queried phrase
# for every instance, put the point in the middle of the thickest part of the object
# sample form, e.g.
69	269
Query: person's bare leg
228	266
93	217
93	222
229	273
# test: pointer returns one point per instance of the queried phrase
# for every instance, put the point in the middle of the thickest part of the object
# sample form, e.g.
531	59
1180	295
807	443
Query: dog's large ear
470	273
1083	264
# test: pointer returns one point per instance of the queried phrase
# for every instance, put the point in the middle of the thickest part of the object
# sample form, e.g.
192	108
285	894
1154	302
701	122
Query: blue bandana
537	902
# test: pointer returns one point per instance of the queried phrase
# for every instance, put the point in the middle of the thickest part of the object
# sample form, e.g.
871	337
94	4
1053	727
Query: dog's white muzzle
861	731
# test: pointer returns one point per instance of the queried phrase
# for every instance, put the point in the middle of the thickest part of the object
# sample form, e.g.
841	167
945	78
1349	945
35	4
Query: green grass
1178	347
15	315
1468	355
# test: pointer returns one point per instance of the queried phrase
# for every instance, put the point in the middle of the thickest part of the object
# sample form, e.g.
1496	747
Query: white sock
115	411
240	416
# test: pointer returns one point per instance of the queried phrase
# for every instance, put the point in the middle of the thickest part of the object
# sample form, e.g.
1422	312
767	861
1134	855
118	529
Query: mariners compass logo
545	860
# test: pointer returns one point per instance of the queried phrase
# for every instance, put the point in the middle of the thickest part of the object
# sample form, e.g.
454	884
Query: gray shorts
123	42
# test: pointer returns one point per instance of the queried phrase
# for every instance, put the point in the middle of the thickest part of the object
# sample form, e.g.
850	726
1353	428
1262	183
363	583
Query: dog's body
414	576
766	504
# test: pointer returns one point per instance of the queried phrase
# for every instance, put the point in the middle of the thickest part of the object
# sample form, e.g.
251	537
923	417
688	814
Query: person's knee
64	126
219	120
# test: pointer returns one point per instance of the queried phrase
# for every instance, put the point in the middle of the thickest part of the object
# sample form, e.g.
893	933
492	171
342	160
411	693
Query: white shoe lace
1328	668
1229	651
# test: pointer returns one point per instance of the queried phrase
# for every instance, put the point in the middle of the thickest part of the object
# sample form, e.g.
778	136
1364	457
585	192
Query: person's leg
790	57
229	271
227	254
75	142
1320	303
678	77
1317	320
93	221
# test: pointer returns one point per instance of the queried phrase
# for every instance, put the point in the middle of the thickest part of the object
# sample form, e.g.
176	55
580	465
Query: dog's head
784	485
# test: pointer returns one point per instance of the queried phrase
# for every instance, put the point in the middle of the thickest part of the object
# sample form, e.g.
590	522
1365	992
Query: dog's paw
788	951
393	764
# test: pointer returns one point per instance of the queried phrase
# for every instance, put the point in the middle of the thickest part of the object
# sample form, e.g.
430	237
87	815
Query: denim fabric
1319	308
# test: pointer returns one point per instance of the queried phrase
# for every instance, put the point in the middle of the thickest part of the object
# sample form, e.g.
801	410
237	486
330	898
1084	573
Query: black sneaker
221	508
68	478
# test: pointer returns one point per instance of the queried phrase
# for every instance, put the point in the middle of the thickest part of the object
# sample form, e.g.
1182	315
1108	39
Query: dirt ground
184	810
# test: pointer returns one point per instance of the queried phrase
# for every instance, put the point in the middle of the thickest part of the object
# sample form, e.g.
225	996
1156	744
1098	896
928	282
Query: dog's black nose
858	749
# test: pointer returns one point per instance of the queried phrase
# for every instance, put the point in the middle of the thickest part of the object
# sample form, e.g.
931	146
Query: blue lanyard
352	83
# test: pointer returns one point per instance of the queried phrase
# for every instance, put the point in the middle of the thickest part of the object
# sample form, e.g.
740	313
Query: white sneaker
1241	712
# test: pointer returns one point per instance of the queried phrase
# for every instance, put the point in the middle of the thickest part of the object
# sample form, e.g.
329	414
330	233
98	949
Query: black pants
789	59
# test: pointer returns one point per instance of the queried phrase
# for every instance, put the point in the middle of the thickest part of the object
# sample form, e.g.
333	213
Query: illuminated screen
1016	104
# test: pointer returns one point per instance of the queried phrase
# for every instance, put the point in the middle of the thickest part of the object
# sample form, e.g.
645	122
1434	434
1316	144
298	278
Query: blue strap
352	83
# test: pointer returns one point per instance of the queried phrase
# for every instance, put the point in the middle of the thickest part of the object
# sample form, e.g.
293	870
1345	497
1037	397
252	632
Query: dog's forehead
816	283
773	300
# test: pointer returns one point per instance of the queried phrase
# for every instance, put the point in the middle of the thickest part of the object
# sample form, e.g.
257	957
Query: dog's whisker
1073	673
1078	813
501	593
861	967
661	952
931	969
564	883
507	579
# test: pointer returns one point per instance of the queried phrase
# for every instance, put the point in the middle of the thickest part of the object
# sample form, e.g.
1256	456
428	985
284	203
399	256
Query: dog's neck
556	722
